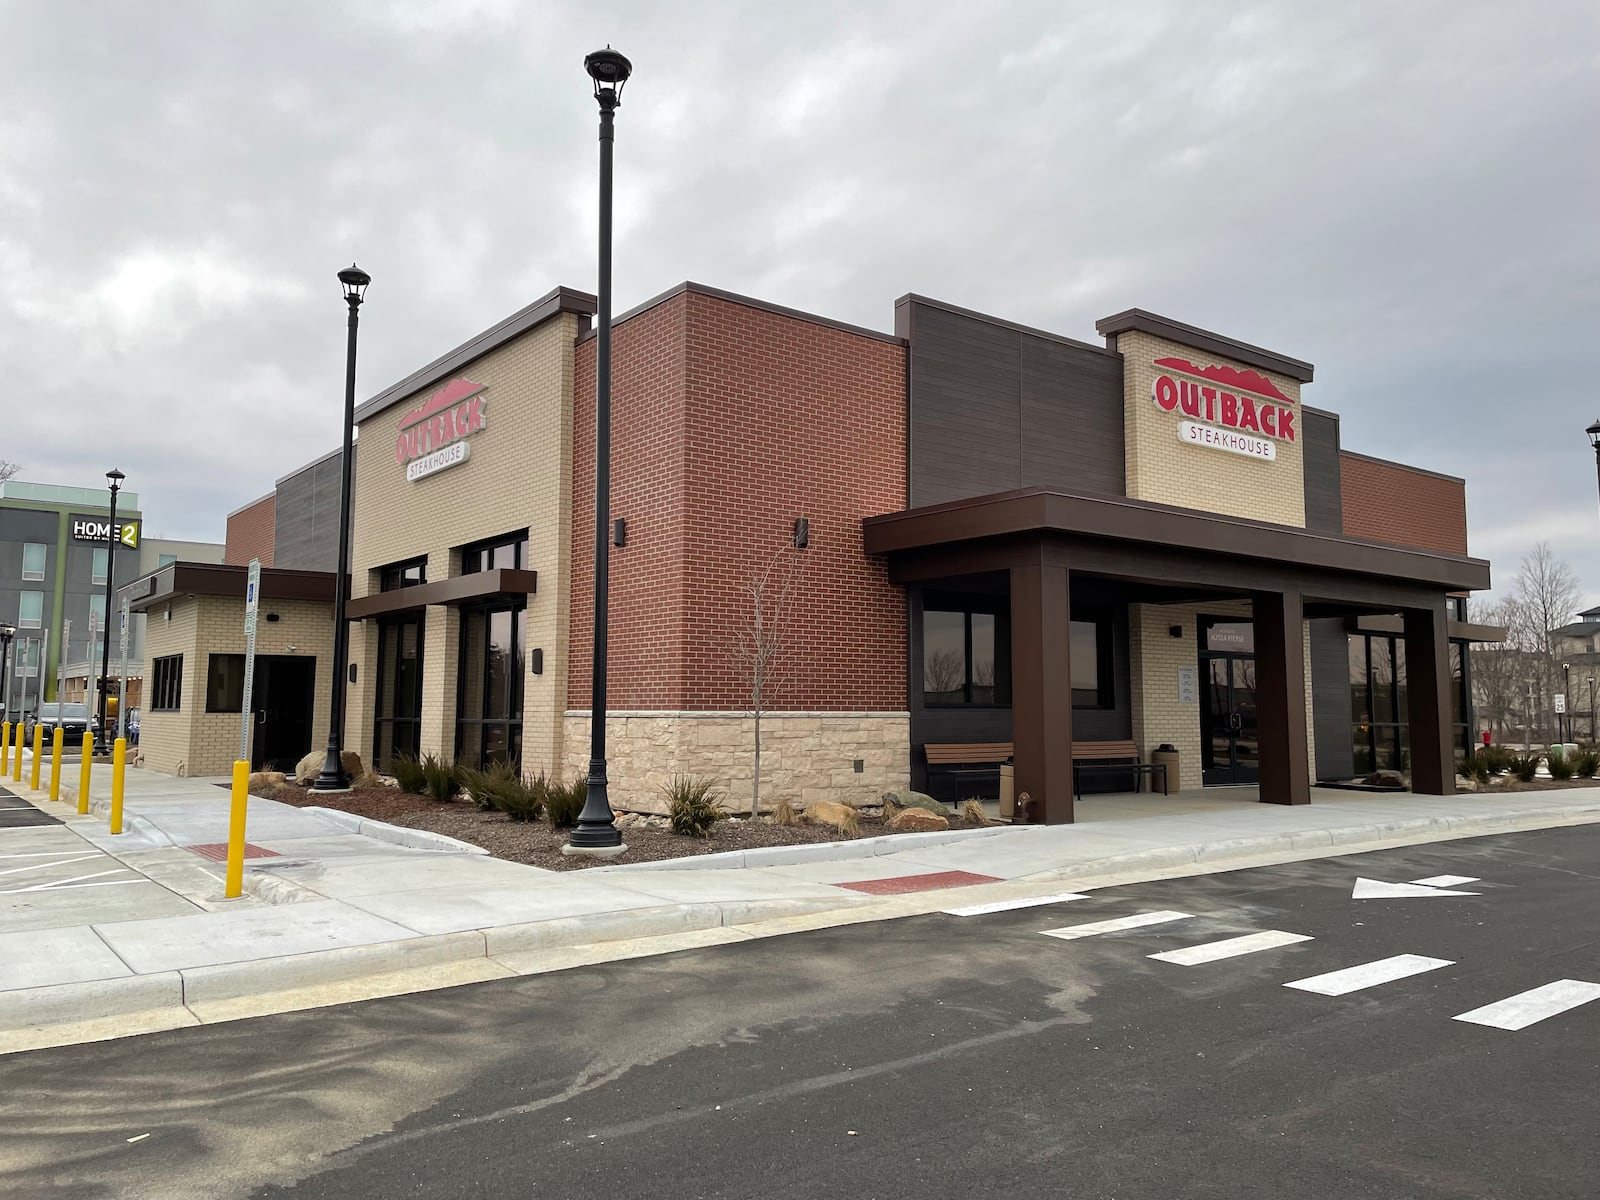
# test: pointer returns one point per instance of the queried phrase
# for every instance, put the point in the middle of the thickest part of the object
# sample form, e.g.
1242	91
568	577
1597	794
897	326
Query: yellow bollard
241	799
57	740
38	757
119	761
16	765
83	773
5	746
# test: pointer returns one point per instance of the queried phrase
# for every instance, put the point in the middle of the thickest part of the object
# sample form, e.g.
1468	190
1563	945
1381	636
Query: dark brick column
1433	767
1041	686
1281	697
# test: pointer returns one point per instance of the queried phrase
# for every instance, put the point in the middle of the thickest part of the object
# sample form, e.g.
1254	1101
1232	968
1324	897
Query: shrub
563	802
1584	763
409	775
783	813
972	813
1495	759
1523	766
503	789
1559	764
440	779
693	806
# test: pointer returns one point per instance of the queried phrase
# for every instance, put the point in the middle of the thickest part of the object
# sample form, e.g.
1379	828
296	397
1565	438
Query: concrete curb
785	856
398	835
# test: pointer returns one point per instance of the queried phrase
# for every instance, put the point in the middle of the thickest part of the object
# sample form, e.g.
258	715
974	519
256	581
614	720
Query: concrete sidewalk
102	936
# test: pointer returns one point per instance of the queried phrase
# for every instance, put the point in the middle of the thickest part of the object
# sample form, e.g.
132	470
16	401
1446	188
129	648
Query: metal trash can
1173	778
1007	790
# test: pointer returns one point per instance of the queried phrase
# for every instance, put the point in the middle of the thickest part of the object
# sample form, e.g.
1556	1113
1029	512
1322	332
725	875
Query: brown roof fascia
973	314
1459	631
557	300
701	289
458	589
1203	339
1120	518
182	580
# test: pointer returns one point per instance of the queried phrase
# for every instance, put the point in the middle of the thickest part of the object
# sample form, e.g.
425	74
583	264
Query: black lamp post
114	480
597	831
332	777
1566	700
7	632
1594	440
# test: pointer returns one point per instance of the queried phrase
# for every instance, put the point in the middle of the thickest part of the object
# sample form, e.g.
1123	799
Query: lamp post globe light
332	777
1594	440
114	480
596	832
7	632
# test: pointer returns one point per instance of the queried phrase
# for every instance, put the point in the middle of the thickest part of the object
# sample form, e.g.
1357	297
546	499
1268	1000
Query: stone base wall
805	756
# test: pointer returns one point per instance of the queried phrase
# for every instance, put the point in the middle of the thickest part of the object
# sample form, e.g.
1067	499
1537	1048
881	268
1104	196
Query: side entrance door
285	691
1230	746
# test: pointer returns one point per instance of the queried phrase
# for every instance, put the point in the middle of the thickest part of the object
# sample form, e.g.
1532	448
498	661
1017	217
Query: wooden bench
1086	756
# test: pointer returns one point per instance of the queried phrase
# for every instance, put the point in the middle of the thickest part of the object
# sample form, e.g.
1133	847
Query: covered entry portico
1045	543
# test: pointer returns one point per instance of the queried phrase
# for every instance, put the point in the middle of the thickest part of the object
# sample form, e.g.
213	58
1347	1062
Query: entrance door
1229	739
399	684
284	693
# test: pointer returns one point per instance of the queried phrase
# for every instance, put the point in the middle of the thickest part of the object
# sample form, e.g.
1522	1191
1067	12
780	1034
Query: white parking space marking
1377	889
1447	881
994	906
1530	1007
76	881
1137	921
1250	943
56	862
1384	970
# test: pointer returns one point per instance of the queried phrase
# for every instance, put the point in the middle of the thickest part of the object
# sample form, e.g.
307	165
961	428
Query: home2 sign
1230	409
433	436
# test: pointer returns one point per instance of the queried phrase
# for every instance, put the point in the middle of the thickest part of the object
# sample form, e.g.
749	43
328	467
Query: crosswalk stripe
1384	970
994	906
1069	932
1530	1007
1446	880
1250	943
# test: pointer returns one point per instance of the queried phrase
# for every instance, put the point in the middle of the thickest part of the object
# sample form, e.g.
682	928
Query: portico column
1279	619
1433	768
1041	687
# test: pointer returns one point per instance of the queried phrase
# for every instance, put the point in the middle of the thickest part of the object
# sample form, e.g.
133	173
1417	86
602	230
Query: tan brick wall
1154	659
805	756
192	741
518	476
1163	469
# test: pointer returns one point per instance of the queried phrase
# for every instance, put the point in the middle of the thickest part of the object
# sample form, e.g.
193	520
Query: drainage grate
218	851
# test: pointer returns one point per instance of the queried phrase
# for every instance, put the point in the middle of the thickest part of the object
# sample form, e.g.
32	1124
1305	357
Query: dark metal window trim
390	626
519	610
229	703
517	539
166	680
967	606
393	576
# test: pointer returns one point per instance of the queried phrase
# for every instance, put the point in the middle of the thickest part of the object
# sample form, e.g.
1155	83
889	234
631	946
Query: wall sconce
536	660
273	617
619	532
1175	631
802	533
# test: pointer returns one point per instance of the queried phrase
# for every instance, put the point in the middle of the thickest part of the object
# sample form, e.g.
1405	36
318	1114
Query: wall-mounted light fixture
802	533
536	660
1175	631
619	532
273	617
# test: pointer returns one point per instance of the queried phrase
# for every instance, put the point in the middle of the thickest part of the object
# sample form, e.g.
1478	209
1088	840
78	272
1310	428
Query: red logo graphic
450	414
1229	377
1230	404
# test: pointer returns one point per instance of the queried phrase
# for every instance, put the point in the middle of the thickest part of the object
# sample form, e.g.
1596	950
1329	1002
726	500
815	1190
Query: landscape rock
262	779
918	820
1385	779
918	800
829	812
310	766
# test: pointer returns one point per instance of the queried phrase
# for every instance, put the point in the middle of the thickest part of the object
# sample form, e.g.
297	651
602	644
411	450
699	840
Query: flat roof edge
689	287
1137	319
1001	322
1400	466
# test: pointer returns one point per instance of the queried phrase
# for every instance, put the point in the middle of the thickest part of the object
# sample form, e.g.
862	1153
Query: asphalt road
936	1056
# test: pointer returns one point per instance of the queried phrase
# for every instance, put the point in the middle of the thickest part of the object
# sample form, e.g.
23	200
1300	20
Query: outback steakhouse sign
1231	409
433	436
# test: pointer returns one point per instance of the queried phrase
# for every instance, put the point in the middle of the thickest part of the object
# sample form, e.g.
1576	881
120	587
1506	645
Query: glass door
489	690
1230	741
399	690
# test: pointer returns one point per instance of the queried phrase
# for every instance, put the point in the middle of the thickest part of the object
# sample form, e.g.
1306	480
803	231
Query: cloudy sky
1408	195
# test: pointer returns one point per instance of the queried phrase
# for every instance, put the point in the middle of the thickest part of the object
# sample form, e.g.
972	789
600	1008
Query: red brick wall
751	419
250	533
1387	502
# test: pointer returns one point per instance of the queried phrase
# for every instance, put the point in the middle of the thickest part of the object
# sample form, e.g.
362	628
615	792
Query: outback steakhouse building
982	539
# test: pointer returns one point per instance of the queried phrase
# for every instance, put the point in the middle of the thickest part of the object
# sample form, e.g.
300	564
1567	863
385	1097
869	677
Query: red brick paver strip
218	851
919	883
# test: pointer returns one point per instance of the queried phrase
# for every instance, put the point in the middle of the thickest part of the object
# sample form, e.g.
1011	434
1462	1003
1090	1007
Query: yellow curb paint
83	773
241	799
119	763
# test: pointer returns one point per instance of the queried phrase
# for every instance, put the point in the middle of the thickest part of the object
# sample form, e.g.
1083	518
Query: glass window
966	656
98	571
166	680
489	692
1233	637
1091	664
944	657
1382	680
28	658
509	551
97	610
1360	701
166	560
403	575
225	683
30	610
33	554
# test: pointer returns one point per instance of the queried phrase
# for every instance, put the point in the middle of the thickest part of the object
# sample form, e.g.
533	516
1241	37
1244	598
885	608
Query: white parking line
57	862
1530	1007
1384	970
1250	943
1069	932
75	881
1446	880
994	906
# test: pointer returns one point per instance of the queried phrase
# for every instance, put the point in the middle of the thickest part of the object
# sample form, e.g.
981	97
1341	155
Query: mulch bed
538	845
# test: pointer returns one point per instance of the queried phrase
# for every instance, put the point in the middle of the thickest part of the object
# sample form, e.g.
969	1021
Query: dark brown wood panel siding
1330	698
994	408
1324	506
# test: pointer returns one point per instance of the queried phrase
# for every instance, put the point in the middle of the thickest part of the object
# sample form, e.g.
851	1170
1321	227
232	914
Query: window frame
24	621
396	576
471	554
967	607
166	679
36	576
228	704
99	563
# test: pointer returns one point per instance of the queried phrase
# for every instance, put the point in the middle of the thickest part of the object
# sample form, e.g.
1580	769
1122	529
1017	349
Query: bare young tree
1546	596
760	647
946	671
8	469
1499	669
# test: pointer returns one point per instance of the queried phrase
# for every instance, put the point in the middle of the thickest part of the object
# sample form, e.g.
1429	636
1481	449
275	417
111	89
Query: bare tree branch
8	469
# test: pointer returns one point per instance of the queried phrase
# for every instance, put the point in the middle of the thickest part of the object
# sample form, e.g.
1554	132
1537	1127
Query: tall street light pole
597	833
332	777
7	632
114	480
1594	440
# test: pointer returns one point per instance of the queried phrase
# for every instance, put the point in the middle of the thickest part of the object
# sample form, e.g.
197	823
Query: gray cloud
1403	194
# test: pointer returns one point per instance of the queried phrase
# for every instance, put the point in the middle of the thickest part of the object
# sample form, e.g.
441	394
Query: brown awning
459	589
1457	631
184	579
